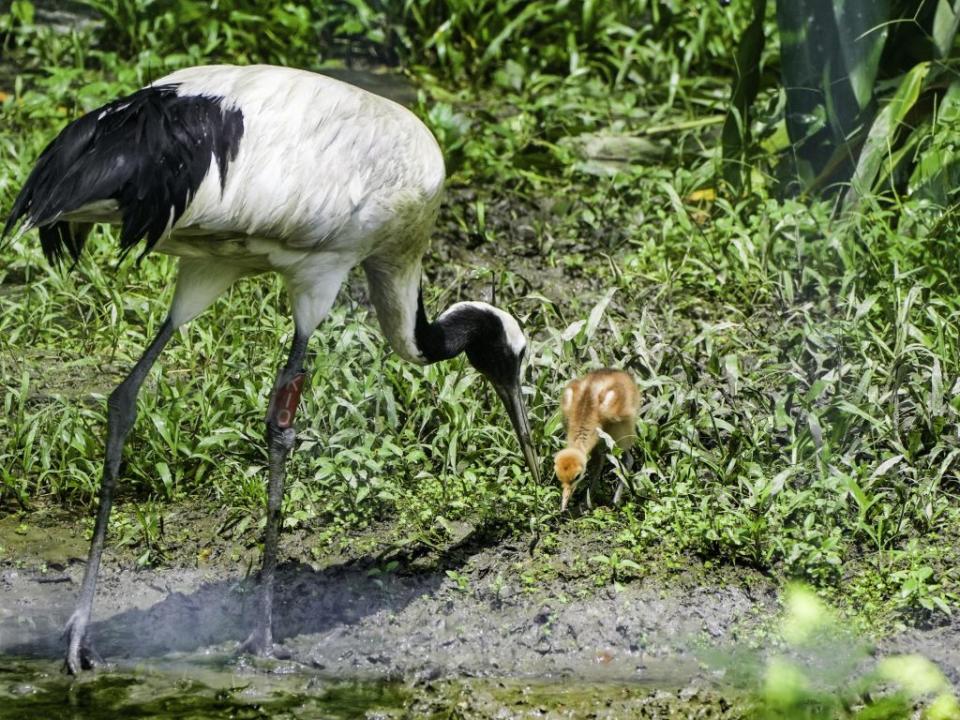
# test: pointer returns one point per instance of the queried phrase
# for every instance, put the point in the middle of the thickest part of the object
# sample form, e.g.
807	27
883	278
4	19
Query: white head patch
511	328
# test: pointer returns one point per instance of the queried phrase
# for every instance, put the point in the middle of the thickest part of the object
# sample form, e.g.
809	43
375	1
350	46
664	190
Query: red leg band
283	403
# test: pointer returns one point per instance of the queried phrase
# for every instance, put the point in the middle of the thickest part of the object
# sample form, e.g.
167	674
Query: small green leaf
163	470
596	314
746	84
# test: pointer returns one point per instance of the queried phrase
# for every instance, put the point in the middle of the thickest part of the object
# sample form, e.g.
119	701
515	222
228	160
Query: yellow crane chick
606	399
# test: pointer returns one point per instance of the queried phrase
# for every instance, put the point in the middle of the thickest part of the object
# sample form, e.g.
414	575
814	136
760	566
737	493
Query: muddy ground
424	619
473	609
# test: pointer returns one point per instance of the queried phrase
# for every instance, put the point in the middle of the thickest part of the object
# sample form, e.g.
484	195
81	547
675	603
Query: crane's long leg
121	412
280	438
199	283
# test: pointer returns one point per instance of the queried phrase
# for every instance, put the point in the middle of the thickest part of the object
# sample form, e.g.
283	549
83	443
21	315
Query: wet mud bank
374	639
355	619
488	610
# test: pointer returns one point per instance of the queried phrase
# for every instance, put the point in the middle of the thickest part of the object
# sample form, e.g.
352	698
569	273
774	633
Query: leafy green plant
462	581
142	529
920	590
861	86
619	568
814	666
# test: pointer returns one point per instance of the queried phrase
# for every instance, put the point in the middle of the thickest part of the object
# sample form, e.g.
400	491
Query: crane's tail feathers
8	227
63	237
139	160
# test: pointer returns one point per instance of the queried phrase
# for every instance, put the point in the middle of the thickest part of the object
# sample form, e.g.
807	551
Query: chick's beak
513	401
565	498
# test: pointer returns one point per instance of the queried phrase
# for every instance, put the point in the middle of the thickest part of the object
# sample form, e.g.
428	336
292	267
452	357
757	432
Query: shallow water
219	686
210	688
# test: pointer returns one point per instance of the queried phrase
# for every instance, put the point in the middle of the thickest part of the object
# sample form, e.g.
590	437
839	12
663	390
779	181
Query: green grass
799	370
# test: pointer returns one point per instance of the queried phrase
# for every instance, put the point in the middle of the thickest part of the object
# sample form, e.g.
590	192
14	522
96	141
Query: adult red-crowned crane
243	170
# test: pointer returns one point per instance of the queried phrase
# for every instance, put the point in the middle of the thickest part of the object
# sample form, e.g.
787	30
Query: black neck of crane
440	340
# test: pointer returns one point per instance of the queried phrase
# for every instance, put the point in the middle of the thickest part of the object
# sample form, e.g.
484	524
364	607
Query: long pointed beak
565	498
513	402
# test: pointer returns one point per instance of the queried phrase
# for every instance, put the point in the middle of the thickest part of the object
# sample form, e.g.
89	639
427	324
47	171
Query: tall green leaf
830	59
821	108
736	127
862	32
936	176
945	23
881	137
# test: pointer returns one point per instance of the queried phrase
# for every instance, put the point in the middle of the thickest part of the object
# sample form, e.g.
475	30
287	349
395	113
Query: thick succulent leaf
881	138
805	28
862	32
945	23
816	77
736	127
835	54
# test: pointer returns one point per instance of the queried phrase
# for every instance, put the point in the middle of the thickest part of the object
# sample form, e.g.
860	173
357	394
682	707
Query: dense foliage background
635	180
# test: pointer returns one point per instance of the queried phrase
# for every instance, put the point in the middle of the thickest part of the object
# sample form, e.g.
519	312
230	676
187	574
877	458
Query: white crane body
244	170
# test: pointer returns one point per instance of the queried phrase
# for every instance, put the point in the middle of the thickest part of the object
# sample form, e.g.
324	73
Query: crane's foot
261	644
80	653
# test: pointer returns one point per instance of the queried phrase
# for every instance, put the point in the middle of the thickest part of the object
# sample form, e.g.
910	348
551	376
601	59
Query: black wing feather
148	151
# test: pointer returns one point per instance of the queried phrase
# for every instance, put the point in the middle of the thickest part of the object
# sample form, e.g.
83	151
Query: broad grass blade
882	133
